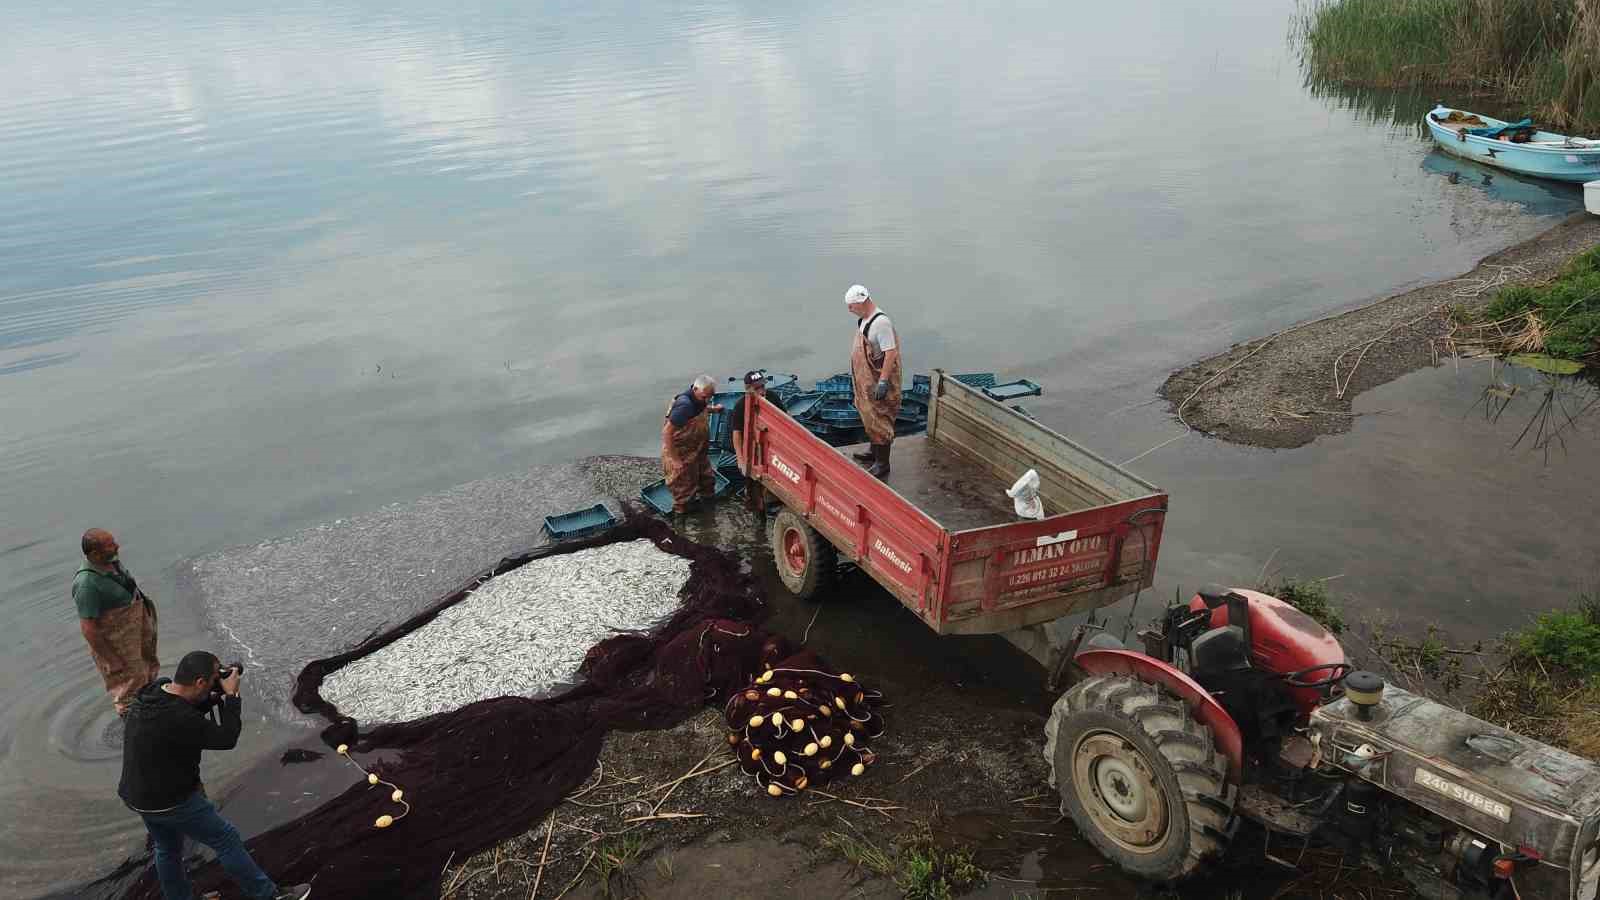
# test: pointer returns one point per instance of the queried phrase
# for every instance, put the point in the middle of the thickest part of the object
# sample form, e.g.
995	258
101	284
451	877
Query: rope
383	821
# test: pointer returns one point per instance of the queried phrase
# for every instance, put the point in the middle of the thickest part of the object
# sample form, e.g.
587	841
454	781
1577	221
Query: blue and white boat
1514	146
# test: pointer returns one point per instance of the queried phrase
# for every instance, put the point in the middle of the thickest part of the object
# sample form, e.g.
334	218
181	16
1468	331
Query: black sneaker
298	892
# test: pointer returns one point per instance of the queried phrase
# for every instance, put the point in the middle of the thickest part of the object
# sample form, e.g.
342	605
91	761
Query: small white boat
1514	146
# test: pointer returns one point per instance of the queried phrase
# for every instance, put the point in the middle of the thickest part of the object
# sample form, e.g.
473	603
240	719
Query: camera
216	686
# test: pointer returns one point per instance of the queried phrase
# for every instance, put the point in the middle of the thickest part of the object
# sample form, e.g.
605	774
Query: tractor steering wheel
1336	673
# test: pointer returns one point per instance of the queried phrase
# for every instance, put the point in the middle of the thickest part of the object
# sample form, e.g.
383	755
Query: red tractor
1240	705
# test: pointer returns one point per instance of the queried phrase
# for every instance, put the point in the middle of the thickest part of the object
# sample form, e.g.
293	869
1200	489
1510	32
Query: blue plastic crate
719	425
847	418
921	386
803	405
726	463
660	499
1011	390
977	379
837	384
579	524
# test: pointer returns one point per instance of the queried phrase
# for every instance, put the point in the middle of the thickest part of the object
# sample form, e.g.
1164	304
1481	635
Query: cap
856	294
754	376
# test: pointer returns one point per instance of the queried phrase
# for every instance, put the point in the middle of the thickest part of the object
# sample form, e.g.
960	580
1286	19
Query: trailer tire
806	562
1140	777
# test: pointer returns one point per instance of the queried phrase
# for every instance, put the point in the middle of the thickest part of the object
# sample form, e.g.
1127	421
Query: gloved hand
880	390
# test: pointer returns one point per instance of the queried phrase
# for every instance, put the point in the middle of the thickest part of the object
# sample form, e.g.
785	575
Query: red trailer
941	534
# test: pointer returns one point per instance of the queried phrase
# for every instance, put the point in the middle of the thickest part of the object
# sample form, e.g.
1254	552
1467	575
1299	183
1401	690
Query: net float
857	769
860	696
839	702
797	724
342	749
774	692
755	753
397	795
849	739
780	759
752	696
826	764
825	710
789	695
846	677
801	782
372	778
826	742
733	740
810	750
774	790
383	822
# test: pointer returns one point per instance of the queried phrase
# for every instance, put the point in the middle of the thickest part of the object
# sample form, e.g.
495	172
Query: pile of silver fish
518	634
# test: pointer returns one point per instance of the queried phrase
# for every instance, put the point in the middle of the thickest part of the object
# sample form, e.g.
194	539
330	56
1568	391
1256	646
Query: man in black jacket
168	725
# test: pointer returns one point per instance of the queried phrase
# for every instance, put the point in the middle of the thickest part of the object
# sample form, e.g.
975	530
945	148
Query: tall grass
1543	54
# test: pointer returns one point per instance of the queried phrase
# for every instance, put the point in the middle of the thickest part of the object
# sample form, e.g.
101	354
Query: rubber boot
867	456
880	466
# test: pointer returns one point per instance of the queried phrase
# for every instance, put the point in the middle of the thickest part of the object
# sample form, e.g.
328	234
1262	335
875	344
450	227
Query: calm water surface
263	266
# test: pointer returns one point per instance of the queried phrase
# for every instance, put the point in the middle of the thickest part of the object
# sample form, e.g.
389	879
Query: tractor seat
1220	650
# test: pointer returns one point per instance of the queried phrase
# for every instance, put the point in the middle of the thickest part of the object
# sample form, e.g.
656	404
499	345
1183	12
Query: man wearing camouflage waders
685	445
875	374
117	620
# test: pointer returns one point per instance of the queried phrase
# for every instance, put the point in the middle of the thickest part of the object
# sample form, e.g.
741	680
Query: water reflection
1401	108
540	218
1549	407
1536	196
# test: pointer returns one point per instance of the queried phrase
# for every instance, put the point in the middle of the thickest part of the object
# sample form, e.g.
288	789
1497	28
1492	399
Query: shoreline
1279	391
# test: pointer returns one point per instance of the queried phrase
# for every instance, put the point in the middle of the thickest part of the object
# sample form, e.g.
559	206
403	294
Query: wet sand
1279	391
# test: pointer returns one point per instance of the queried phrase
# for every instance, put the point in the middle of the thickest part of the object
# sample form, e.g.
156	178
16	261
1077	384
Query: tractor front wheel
1139	776
806	561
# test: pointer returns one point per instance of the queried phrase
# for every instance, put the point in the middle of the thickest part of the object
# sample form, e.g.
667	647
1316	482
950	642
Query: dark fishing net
491	770
799	725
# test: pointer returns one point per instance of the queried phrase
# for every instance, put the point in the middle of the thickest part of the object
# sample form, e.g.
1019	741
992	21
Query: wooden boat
1514	146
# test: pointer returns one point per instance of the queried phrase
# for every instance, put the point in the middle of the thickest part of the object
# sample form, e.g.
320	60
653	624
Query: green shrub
1568	640
1313	599
1567	309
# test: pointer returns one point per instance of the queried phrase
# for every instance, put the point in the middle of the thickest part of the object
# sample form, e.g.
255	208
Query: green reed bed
1541	54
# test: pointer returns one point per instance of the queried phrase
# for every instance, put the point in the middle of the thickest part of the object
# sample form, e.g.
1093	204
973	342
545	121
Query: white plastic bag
1025	496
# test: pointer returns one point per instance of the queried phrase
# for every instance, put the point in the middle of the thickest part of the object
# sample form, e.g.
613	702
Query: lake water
261	267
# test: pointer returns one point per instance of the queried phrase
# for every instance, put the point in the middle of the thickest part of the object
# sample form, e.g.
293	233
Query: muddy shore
1285	390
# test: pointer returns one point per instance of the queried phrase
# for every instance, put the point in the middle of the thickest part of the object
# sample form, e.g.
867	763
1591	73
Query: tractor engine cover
1522	793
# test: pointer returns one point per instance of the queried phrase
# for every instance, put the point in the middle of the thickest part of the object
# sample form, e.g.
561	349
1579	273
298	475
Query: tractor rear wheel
805	560
1139	776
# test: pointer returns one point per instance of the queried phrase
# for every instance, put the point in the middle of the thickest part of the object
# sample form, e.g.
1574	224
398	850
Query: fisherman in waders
875	373
116	619
685	445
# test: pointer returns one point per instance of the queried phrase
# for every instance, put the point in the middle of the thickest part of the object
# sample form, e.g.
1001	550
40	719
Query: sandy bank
1280	391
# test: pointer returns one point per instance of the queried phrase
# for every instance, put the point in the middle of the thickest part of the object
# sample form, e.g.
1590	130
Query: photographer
168	725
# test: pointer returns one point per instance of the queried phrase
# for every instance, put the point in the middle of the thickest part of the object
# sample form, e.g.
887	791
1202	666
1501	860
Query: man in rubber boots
875	373
685	445
169	726
755	385
116	619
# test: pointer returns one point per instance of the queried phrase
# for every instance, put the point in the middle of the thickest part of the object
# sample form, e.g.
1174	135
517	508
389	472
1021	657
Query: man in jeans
168	725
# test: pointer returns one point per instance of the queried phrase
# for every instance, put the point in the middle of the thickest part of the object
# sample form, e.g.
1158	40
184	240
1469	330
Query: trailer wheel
1139	776
806	561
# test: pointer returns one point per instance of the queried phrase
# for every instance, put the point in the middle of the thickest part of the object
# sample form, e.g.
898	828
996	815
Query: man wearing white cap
875	372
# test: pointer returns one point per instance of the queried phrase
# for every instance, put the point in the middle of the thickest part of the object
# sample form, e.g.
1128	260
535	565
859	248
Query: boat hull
1576	165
